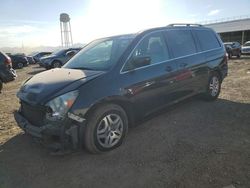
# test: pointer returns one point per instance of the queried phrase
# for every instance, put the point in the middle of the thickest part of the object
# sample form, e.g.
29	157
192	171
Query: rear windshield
208	39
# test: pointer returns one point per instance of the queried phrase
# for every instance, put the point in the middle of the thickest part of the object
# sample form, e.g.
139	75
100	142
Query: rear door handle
168	68
183	64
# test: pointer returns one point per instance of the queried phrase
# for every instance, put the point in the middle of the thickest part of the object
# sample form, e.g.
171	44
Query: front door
151	86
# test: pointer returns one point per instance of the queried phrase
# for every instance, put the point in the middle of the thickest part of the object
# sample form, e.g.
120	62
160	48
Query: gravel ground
192	144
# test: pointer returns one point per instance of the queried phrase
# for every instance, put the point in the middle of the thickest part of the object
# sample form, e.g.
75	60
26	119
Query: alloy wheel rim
110	130
214	86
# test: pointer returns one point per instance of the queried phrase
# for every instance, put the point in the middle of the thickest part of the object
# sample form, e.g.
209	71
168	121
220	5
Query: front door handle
168	68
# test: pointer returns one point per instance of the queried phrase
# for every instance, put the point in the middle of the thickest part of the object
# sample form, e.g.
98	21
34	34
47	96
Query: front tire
106	128
57	64
239	55
20	65
1	85
213	87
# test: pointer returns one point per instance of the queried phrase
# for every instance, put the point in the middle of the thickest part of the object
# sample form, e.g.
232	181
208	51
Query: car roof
171	26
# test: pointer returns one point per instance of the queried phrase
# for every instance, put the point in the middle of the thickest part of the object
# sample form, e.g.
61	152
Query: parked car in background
233	49
246	48
7	73
19	61
38	55
58	58
113	81
30	60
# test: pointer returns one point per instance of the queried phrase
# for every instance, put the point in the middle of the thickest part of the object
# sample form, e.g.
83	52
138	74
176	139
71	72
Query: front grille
34	114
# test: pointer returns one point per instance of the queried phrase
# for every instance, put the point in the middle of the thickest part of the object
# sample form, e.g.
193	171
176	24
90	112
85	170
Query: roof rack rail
184	24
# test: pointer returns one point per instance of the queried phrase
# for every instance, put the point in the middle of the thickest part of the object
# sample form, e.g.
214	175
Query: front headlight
59	106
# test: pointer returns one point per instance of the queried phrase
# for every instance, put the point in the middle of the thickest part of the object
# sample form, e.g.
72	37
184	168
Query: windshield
100	54
58	52
33	53
247	44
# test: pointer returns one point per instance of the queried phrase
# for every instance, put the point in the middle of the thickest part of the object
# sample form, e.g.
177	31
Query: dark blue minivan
113	81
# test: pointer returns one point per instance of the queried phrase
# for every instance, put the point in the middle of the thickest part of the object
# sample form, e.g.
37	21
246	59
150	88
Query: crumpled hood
43	86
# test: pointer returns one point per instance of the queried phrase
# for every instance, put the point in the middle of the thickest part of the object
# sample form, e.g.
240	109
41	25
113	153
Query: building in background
232	29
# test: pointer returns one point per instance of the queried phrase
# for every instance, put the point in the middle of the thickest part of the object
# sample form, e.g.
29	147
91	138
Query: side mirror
70	53
140	61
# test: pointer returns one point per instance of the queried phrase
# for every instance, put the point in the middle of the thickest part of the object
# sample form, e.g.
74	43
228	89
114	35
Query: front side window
100	54
152	46
181	42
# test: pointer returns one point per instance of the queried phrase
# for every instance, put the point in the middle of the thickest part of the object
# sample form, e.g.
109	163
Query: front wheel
20	65
106	128
1	85
239	55
213	87
57	64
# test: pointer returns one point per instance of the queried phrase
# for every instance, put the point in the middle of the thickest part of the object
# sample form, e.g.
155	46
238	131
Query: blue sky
35	23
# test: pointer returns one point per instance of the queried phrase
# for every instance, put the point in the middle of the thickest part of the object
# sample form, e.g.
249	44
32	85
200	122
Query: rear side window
181	42
208	39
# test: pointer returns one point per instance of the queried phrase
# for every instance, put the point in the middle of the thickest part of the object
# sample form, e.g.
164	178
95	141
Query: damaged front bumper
69	133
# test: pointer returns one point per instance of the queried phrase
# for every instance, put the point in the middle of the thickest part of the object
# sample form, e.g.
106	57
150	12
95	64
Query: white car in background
245	49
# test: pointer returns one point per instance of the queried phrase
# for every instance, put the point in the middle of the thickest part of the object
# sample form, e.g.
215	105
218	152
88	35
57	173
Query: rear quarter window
207	39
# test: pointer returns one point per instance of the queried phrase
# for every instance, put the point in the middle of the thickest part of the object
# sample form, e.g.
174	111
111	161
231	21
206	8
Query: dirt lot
192	144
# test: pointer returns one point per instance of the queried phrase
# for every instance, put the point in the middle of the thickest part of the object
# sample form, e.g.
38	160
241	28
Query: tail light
8	62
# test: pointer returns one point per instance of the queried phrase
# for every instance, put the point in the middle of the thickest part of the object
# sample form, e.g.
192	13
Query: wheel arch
219	72
56	60
126	105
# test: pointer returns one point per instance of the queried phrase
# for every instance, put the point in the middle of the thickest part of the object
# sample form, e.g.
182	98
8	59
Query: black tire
56	64
210	94
1	85
20	65
230	55
91	140
239	55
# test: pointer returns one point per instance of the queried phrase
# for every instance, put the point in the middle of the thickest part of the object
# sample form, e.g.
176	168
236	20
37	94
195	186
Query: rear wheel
213	87
106	128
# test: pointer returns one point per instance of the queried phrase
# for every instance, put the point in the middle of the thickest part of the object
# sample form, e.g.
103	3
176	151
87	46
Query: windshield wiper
81	68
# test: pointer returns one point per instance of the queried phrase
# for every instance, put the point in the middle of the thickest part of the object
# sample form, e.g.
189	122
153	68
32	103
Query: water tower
66	35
